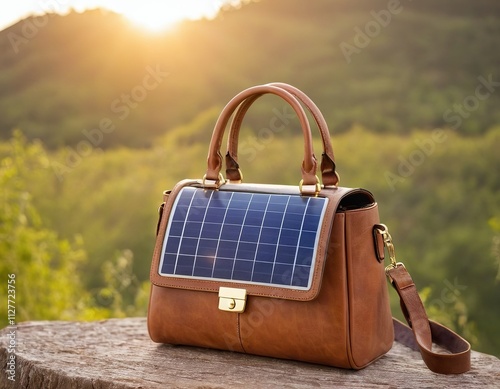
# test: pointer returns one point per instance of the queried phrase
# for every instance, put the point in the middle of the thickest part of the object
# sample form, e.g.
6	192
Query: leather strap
422	332
214	160
329	176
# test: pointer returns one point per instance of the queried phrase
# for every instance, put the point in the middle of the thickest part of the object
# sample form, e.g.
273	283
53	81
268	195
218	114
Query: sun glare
161	16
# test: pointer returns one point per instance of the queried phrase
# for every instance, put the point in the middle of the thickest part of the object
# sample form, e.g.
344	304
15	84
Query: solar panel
255	238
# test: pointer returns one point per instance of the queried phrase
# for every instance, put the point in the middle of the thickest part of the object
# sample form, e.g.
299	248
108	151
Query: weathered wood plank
117	353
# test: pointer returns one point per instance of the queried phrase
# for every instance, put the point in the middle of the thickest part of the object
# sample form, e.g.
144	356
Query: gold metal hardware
213	183
232	299
384	231
317	187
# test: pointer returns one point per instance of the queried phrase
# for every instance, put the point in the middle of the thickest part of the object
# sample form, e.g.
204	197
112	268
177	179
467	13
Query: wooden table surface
118	354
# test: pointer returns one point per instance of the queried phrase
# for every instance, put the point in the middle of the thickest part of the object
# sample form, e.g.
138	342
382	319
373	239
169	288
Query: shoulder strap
422	332
425	331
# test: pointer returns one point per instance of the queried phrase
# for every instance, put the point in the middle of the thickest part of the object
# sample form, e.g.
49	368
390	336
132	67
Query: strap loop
426	332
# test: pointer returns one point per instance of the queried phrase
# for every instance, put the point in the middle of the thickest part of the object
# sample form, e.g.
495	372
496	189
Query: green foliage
495	246
45	266
450	310
123	295
48	269
413	74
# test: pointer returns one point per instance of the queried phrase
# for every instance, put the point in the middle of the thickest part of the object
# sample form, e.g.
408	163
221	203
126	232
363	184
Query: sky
150	14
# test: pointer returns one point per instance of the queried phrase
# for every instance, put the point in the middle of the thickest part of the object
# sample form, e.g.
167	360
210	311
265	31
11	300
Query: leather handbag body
293	272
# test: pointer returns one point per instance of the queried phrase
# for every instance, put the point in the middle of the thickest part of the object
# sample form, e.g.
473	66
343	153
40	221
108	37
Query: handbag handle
328	173
213	178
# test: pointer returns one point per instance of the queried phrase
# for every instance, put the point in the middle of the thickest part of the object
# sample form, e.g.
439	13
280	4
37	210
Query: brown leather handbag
294	272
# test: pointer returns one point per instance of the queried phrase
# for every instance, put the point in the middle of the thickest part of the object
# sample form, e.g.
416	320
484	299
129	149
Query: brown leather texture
347	323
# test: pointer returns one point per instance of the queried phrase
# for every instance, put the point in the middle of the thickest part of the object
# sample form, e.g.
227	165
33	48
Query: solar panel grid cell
230	236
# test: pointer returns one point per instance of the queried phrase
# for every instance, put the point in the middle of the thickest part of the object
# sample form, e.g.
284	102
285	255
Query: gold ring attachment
213	183
317	186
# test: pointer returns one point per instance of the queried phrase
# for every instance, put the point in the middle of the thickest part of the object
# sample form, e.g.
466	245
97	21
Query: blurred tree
46	267
123	294
495	225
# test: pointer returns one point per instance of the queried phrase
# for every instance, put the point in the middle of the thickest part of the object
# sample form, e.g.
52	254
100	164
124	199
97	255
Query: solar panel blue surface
243	237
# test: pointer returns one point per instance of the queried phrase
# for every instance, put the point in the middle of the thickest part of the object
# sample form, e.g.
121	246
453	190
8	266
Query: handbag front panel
314	331
318	329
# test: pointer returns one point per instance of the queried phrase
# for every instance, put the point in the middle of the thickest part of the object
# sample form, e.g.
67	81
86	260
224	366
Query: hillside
416	69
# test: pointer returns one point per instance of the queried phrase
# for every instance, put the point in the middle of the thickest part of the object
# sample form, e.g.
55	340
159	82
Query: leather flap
204	261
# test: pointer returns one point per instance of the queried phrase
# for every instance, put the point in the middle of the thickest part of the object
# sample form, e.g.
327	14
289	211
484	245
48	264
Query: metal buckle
232	299
384	231
317	187
215	184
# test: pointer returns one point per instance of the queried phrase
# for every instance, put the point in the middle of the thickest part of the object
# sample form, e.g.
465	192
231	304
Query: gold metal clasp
317	187
387	238
232	299
215	184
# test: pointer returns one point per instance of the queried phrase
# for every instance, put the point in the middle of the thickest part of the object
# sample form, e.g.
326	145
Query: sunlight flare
161	16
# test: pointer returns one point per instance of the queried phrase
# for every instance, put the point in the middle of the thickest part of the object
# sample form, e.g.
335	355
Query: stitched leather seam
238	331
349	340
406	286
